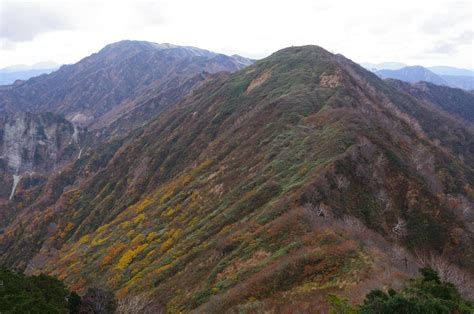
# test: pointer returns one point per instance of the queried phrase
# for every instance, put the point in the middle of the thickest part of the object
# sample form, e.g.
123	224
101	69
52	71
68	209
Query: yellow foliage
138	239
166	245
127	258
96	242
102	228
125	225
142	205
171	235
194	221
69	227
183	217
66	229
166	196
170	211
151	236
84	239
139	219
131	234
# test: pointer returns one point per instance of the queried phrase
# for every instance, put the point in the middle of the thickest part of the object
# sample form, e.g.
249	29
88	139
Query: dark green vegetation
35	294
422	295
299	176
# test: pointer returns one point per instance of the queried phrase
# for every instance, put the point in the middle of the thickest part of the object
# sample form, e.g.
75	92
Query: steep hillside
451	100
112	92
299	176
113	77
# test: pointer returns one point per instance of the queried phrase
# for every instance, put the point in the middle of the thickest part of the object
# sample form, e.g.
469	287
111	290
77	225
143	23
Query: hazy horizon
53	64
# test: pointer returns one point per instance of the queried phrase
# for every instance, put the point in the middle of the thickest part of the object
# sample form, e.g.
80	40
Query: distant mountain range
383	66
440	70
447	76
9	75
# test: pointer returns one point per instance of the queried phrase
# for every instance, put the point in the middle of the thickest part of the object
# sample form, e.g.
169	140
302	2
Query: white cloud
413	32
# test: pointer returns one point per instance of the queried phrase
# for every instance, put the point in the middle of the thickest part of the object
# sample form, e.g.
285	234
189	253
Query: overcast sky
435	32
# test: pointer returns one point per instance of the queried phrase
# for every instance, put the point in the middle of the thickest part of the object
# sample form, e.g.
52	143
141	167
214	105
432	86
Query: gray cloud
452	45
23	21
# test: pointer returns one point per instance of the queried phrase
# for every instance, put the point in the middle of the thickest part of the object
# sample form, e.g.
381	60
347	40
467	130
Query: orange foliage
112	252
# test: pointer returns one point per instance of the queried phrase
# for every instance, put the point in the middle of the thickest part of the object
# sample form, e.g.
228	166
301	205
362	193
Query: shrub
35	294
423	295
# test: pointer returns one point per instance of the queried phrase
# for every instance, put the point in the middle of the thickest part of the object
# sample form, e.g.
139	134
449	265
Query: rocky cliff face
34	145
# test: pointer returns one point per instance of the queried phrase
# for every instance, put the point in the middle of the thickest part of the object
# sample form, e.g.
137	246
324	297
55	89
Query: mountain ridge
126	68
268	183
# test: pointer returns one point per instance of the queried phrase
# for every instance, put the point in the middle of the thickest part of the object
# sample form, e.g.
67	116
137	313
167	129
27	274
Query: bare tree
134	304
400	228
448	272
342	182
98	301
424	163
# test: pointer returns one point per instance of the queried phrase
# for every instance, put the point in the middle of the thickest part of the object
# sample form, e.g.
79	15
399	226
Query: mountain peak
127	43
131	46
302	51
